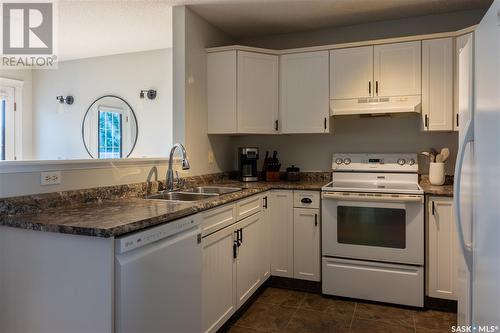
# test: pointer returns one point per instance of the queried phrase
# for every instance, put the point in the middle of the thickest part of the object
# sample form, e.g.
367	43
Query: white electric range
373	229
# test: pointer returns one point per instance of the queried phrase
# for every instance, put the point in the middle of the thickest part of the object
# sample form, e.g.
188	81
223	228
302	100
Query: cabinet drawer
306	199
402	284
217	218
248	206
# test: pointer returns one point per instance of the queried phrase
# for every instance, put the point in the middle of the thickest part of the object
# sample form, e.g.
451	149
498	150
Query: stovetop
373	187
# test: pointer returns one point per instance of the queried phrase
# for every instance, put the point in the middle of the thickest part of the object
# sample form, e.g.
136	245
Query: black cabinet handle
457	119
265	202
315	220
276	125
306	200
433	209
376	87
235	250
325	123
241	235
426	121
370	88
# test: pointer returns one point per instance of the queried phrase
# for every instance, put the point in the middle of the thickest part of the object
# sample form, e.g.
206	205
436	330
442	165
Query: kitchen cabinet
437	84
442	249
463	73
265	237
304	92
351	73
306	244
248	264
219	279
242	92
281	216
397	69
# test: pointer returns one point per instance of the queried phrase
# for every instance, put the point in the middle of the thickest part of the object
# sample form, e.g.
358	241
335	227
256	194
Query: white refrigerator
477	173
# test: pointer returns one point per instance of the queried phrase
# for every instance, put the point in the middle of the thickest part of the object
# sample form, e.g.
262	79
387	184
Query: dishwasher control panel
168	229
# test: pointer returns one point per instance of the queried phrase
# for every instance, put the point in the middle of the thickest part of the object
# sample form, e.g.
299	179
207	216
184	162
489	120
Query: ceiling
90	28
250	18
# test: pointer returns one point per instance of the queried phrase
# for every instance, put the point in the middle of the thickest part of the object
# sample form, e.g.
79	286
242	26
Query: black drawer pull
306	200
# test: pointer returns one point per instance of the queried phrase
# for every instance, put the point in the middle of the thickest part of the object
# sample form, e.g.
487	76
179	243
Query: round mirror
109	128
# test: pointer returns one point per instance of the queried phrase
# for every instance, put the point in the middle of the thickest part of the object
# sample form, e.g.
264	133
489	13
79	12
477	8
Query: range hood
376	105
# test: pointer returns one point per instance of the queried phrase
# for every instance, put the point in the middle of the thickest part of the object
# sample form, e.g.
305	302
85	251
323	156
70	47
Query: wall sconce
68	99
150	93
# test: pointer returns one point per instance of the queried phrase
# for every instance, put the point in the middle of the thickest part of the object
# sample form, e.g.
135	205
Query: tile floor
282	310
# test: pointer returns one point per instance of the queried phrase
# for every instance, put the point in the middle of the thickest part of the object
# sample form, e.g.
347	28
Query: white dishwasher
158	279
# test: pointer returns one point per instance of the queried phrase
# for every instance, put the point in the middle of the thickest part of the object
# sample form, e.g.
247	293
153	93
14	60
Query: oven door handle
380	198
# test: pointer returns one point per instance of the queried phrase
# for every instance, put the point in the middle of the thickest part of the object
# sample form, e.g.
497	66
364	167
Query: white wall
192	34
58	136
313	152
26	111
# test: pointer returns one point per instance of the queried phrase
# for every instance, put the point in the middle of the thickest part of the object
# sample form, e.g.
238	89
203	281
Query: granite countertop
112	218
445	190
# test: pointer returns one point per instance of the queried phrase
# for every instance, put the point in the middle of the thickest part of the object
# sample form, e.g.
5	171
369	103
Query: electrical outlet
211	156
50	178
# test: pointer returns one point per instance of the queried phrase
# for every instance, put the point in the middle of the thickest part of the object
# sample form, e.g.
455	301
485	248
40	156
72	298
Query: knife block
272	176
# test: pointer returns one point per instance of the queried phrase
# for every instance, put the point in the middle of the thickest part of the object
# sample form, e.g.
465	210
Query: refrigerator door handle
466	247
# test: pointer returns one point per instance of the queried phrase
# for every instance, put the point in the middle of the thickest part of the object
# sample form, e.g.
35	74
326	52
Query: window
7	124
110	134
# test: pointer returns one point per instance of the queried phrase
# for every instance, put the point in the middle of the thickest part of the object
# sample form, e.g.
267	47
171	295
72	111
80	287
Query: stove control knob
401	161
338	161
411	161
347	161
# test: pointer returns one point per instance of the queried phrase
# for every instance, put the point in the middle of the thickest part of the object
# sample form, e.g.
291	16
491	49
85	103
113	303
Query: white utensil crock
436	173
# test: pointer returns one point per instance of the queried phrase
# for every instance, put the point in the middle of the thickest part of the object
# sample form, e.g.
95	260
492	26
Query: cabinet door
248	264
463	80
351	73
257	92
397	69
219	279
442	252
306	251
281	215
221	92
437	84
265	232
304	92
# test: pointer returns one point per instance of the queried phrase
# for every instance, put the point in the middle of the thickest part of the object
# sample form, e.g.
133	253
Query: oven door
373	226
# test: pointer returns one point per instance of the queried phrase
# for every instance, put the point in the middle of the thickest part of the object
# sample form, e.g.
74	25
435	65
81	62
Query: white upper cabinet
351	73
221	90
242	92
257	92
397	69
463	79
437	84
304	92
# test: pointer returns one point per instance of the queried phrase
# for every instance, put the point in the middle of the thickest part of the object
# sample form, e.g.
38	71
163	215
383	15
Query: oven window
382	227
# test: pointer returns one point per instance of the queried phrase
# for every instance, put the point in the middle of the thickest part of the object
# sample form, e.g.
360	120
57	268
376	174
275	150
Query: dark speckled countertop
445	190
112	218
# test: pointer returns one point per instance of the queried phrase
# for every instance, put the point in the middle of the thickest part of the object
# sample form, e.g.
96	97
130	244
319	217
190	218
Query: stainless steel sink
182	196
214	189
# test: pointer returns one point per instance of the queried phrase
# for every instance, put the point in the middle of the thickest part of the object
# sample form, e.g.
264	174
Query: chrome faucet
170	171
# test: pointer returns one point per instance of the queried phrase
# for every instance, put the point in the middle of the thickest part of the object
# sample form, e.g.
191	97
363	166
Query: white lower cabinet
248	264
281	216
306	244
219	278
234	262
442	249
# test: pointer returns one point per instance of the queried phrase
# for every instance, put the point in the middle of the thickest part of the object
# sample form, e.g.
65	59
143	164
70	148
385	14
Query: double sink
194	194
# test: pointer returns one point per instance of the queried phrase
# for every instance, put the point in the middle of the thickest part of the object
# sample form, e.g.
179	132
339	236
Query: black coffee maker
247	164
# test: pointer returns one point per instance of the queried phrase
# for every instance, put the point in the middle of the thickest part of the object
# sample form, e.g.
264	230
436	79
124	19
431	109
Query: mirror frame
85	117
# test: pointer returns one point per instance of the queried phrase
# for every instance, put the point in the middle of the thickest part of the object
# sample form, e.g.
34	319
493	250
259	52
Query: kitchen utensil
445	152
439	158
433	152
293	174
